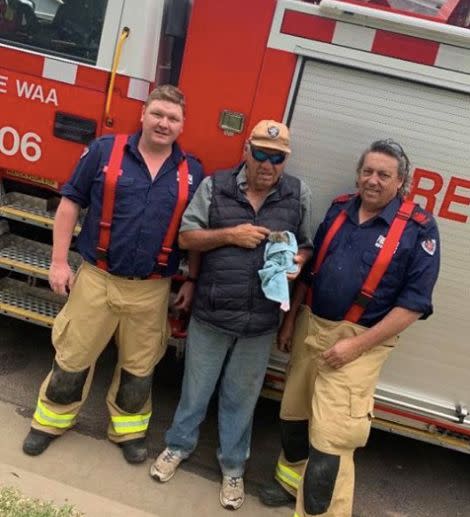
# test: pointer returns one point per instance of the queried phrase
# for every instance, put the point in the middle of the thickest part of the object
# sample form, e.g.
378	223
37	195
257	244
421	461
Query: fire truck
339	73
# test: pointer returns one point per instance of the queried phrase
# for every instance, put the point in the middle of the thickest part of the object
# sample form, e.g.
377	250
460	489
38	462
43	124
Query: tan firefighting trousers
337	403
99	306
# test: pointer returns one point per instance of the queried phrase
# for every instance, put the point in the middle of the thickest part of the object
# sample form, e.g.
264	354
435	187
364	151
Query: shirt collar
387	214
242	183
133	142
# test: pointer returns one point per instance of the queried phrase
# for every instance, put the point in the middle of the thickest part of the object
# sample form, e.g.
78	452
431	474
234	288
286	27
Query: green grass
14	504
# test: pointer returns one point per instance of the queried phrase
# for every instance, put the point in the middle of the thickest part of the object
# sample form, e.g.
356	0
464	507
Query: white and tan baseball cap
271	135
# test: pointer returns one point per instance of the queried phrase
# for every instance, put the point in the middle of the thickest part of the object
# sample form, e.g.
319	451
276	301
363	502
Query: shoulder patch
85	151
429	246
343	198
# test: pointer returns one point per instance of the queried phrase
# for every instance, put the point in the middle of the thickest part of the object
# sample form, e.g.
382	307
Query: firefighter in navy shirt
135	189
375	264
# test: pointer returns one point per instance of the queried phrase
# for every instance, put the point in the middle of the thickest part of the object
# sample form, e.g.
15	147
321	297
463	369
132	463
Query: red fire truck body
340	74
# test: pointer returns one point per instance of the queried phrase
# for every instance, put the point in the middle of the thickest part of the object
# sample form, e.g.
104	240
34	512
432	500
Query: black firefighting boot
134	451
36	442
273	494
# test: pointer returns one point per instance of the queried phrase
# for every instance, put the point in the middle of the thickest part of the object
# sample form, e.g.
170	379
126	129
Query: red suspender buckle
381	262
181	202
403	211
111	173
363	298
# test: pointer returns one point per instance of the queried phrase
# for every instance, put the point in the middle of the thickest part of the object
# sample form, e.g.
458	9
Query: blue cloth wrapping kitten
278	261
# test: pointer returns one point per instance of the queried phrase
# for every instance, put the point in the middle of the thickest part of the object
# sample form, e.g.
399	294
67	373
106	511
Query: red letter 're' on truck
452	197
421	179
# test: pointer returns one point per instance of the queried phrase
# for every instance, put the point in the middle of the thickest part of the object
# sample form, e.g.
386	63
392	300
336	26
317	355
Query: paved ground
92	475
396	477
85	460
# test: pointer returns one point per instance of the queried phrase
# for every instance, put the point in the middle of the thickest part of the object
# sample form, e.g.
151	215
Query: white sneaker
232	493
164	467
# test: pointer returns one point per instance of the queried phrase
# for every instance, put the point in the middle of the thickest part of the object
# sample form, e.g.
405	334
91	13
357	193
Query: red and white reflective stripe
59	71
296	23
421	418
89	77
138	89
381	42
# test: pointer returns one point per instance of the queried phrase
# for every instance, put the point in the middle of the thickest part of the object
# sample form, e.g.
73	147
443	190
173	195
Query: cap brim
268	145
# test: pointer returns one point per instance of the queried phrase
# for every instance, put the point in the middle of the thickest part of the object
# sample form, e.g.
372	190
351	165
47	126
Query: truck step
29	257
28	209
38	306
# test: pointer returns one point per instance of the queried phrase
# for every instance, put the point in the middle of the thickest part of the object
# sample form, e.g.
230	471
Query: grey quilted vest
228	294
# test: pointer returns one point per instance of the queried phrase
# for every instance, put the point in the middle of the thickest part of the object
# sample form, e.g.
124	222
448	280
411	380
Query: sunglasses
395	149
262	156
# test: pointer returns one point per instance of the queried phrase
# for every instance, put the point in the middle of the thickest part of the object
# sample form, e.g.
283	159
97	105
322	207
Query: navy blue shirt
409	280
142	210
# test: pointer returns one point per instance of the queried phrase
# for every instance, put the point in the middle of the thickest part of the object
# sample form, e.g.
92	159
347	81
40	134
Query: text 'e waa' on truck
340	74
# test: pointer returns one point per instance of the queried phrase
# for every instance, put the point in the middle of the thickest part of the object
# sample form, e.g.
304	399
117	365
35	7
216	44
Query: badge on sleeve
190	178
84	152
429	246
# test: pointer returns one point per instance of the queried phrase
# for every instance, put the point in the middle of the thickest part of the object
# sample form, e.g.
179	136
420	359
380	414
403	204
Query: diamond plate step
29	257
32	304
28	209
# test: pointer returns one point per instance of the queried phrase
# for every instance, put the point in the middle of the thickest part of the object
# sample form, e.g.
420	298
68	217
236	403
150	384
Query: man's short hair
167	92
395	150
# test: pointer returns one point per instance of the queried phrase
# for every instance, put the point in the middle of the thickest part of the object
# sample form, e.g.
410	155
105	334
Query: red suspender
332	231
111	173
380	265
183	193
381	262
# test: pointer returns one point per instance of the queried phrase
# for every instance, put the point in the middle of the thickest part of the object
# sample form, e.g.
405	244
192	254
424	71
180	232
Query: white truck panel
139	55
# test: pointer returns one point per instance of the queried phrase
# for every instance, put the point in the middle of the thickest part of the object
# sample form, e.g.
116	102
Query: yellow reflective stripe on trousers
131	423
287	476
45	416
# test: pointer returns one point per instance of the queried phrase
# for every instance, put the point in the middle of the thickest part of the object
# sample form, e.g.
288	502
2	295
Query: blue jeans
245	360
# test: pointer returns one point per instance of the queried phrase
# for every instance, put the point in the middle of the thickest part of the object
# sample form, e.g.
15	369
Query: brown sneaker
164	467
232	493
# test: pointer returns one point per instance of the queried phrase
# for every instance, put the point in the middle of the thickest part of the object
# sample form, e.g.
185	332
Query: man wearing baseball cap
233	325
